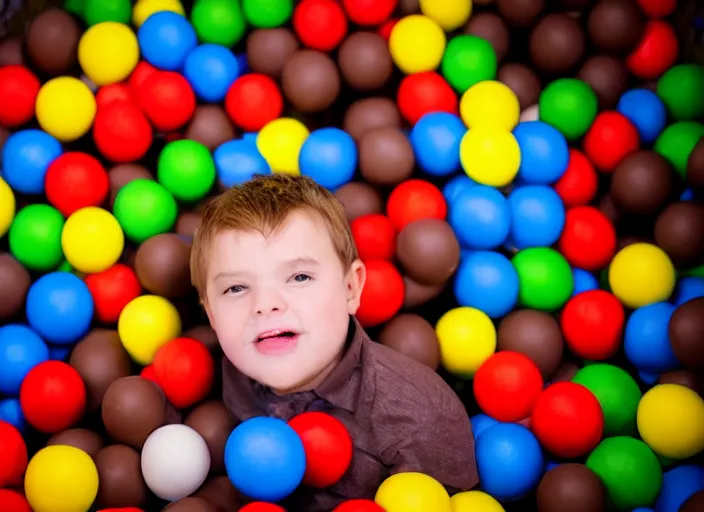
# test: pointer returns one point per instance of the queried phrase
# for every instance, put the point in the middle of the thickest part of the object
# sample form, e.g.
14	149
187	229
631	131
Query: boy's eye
301	278
235	289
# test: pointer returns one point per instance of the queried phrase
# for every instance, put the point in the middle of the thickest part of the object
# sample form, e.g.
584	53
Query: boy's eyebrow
293	262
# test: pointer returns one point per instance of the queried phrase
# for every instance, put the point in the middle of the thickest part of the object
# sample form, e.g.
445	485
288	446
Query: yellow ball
671	421
61	479
145	8
108	52
490	104
412	492
449	14
145	324
92	240
490	156
467	338
7	207
475	501
65	108
280	143
417	44
641	274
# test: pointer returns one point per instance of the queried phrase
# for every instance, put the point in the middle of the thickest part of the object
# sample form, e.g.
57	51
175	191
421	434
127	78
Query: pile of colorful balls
524	181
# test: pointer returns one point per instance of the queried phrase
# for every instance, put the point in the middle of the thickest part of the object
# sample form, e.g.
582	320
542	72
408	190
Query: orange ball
184	369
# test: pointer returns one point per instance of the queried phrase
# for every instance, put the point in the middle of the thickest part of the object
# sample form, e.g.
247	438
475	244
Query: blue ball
688	288
265	459
648	378
26	157
537	216
21	349
583	281
642	509
211	69
456	185
436	141
237	161
242	63
544	152
678	485
510	461
329	157
11	412
688	195
646	340
480	217
480	423
250	136
487	281
166	39
646	111
60	307
59	352
551	465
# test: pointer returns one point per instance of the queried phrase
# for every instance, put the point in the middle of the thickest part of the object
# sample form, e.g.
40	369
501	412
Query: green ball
681	88
695	272
630	471
218	21
75	7
98	11
186	169
617	392
570	105
65	267
35	237
677	141
144	208
467	61
545	278
267	13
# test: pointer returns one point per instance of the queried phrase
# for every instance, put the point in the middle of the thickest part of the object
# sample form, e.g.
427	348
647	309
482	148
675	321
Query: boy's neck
318	379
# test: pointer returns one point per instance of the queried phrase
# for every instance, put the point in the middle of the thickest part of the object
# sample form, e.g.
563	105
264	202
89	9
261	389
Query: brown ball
120	475
205	334
686	329
695	503
214	423
14	283
80	438
412	335
210	126
406	7
572	487
122	174
187	223
219	491
310	81
100	359
191	504
365	61
370	114
615	26
642	183
11	52
695	167
565	372
520	13
416	294
522	81
491	27
608	77
534	334
686	378
573	5
679	231
359	199
269	49
52	41
557	43
162	265
608	207
132	409
385	156
428	251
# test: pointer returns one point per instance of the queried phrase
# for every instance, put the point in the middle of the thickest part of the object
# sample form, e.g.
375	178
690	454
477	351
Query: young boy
275	265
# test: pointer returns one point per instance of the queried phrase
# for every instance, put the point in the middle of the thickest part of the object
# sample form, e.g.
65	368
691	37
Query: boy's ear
356	277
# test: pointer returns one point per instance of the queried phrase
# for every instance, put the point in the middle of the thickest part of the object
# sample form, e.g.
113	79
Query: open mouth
277	335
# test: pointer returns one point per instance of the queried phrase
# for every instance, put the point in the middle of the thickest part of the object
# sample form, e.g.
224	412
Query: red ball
421	93
382	296
414	200
13	455
592	324
656	52
328	447
567	420
320	24
610	139
385	30
375	237
114	92
588	240
149	373
167	99
11	501
507	385
141	72
578	184
358	506
112	290
252	101
185	370
121	132
52	397
657	8
74	181
18	94
260	506
369	12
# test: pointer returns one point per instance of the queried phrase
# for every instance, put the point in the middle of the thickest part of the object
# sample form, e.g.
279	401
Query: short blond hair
262	204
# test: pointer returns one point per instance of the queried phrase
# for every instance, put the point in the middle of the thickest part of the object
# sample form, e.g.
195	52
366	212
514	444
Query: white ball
530	114
175	461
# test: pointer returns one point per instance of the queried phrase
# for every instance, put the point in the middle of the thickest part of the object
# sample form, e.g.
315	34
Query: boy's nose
268	302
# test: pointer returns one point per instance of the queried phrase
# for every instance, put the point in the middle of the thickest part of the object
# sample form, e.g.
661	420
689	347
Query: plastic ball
97	11
646	111
369	12
641	274
108	52
382	296
218	22
374	236
467	61
122	132
474	501
280	143
676	143
646	340
415	200
11	412
65	108
112	290
588	240
167	100
319	24
610	139
592	323
145	324
455	186
328	156
490	105
18	89
424	93
480	217
544	153
61	477
656	52
265	459
545	278
7	207
358	506
678	485
186	170
537	216
488	282
578	184
449	14
35	237
145	208
657	8
253	100
26	156
480	423
21	349
267	13
92	240
165	40
490	156
467	338
261	506
13	451
76	180
417	44
412	492
175	461
211	70
688	288
237	161
143	9
583	281
185	370
436	141
570	105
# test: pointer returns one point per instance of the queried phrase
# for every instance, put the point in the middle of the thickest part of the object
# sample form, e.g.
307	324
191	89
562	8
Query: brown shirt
401	415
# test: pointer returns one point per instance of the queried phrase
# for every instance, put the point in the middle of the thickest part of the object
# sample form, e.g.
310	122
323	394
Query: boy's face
280	304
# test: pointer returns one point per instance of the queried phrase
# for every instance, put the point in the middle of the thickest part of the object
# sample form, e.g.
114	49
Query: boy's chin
285	386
